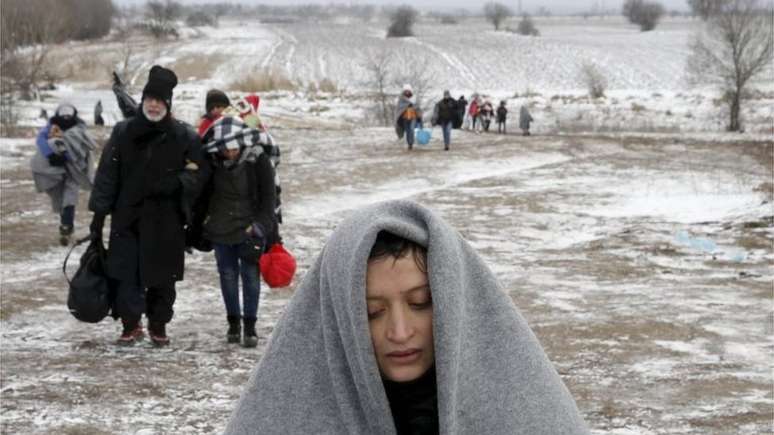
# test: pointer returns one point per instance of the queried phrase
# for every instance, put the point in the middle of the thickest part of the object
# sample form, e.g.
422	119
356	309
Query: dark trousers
501	126
132	300
67	217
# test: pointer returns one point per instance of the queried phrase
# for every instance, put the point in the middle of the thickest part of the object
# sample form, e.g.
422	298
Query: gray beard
157	118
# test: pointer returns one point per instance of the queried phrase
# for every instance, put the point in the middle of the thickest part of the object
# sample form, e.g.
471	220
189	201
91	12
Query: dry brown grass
327	85
263	81
197	67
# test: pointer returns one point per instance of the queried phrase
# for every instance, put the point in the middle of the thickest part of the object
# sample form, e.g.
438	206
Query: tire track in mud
465	72
267	60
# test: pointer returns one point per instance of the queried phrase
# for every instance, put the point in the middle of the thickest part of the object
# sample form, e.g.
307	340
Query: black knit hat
161	81
214	98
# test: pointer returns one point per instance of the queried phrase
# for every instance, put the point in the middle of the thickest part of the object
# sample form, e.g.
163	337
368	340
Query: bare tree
379	66
705	8
161	17
734	46
89	18
496	13
28	28
594	79
402	22
417	74
643	13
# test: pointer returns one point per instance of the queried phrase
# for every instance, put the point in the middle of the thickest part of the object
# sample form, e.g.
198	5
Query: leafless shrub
734	46
449	19
327	85
527	27
705	8
595	81
8	115
402	22
161	18
200	18
496	13
643	13
88	19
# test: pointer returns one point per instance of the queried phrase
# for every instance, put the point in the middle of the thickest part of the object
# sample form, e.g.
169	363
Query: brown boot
131	334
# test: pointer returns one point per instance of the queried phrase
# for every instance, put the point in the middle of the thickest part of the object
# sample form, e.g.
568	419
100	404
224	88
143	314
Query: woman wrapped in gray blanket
400	327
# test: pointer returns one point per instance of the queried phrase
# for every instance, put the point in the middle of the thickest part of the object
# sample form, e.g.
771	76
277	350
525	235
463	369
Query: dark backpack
90	296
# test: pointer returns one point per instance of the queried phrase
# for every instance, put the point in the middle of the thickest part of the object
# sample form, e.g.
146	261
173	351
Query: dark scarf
414	404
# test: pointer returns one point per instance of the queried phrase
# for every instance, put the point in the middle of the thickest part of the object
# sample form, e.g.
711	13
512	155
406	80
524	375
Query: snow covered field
596	233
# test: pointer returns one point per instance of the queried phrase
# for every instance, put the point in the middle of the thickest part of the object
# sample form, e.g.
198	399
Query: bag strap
64	265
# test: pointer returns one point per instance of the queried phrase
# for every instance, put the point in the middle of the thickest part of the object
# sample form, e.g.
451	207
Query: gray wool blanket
319	374
61	183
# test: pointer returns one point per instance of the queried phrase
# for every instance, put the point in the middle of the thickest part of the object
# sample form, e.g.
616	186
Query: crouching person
148	173
235	213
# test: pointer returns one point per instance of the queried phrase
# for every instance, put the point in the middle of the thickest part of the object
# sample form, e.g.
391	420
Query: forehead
390	277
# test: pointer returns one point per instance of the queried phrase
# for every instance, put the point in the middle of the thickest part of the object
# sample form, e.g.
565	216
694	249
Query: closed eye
372	314
422	305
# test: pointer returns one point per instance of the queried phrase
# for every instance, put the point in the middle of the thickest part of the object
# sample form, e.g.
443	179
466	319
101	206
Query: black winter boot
158	333
234	329
65	231
251	338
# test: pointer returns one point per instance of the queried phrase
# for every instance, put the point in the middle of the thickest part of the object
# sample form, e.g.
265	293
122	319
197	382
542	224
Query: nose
400	328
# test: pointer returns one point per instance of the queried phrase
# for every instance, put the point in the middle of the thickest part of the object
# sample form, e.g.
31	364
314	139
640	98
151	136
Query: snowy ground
596	236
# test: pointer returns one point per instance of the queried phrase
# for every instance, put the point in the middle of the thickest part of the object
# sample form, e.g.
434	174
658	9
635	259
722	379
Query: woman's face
400	317
230	154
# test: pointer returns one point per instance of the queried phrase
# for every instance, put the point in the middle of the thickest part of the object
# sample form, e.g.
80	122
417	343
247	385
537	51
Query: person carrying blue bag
407	115
445	114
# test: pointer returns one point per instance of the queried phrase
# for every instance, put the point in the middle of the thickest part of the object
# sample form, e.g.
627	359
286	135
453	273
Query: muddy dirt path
650	335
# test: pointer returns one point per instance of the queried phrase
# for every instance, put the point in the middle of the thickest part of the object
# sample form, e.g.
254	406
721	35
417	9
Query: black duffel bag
90	297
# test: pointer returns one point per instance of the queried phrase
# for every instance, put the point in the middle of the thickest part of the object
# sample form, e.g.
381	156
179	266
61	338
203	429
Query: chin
404	374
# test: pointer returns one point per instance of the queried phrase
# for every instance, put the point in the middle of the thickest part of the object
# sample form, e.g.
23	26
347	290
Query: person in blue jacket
63	164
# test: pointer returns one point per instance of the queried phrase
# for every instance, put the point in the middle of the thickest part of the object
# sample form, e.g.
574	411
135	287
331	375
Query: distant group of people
480	113
449	114
168	189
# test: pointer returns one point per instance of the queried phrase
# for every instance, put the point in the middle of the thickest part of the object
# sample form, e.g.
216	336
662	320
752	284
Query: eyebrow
412	289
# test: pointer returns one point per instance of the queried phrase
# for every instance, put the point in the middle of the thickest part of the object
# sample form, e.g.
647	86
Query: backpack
90	296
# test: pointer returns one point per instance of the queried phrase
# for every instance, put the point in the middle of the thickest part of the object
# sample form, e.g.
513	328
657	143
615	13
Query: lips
404	356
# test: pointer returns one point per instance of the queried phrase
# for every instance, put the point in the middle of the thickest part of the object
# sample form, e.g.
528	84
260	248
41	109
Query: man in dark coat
445	114
146	180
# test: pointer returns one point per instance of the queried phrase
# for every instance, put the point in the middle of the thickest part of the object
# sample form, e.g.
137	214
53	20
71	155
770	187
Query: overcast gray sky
555	6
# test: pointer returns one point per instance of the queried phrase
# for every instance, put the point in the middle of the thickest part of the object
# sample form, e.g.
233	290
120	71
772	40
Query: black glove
167	185
55	159
95	228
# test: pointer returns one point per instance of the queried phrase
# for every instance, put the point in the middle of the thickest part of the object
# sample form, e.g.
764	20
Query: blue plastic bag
423	136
